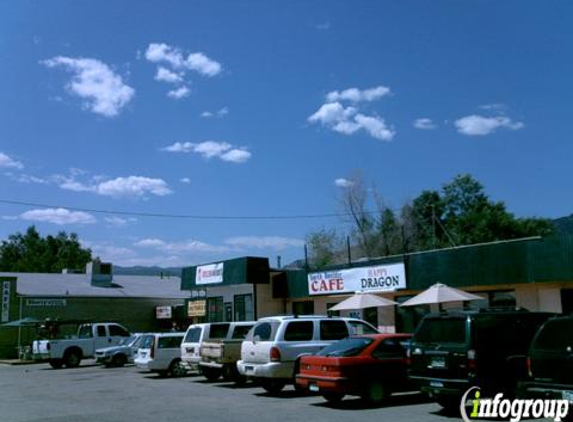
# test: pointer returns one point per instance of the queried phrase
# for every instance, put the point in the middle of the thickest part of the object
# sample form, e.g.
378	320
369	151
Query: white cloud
202	64
348	121
104	91
343	183
495	107
146	243
424	124
475	125
8	162
133	186
165	75
219	113
198	62
157	53
356	95
179	93
210	149
332	113
264	242
207	114
236	156
59	216
375	126
115	221
185	180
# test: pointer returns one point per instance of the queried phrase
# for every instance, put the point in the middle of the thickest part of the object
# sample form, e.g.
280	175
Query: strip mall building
533	273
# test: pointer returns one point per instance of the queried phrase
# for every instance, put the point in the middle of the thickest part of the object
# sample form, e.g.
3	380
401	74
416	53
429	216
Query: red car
370	366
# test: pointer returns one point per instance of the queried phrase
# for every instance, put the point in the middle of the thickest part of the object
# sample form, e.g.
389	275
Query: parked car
550	361
270	355
71	351
219	354
455	350
370	366
161	353
124	352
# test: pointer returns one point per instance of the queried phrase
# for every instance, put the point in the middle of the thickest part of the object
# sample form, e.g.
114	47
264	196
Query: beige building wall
266	305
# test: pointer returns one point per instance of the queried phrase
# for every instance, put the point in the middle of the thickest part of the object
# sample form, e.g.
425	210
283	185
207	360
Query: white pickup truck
70	351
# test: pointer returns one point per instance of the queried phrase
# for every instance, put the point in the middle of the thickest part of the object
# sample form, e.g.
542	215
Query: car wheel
176	369
333	397
56	363
299	389
376	392
272	386
119	360
72	359
211	374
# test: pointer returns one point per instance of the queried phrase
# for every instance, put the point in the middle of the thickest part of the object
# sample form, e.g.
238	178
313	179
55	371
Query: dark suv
456	350
550	361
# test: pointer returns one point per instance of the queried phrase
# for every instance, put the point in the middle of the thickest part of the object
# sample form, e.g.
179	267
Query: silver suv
272	350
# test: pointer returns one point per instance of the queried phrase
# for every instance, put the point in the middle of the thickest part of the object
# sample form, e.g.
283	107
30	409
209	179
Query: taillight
152	349
472	362
275	354
528	362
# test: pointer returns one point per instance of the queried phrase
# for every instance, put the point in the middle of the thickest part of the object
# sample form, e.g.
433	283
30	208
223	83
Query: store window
370	315
215	309
244	308
303	308
567	301
331	313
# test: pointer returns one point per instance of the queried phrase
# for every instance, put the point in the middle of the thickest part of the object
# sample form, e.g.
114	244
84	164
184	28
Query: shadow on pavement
356	403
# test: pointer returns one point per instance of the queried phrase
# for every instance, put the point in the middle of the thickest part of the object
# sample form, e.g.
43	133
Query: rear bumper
275	370
541	390
214	365
325	384
441	386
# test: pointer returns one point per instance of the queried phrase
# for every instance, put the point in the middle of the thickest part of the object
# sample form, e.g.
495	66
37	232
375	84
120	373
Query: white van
161	353
191	346
272	350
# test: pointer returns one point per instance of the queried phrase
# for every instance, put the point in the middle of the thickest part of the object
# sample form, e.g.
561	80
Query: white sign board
163	312
208	274
379	278
5	316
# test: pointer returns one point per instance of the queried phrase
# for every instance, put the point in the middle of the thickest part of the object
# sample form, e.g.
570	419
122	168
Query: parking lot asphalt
92	393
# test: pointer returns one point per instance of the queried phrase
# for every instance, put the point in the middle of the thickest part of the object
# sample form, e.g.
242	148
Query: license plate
439	362
436	384
249	369
568	395
313	388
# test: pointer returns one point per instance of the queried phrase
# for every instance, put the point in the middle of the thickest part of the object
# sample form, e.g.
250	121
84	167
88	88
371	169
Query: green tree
32	253
325	248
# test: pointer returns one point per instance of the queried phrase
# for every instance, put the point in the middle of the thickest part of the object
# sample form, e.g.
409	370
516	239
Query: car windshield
347	347
555	335
441	330
126	341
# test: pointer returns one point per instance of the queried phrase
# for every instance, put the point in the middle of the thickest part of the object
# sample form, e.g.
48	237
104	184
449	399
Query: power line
177	216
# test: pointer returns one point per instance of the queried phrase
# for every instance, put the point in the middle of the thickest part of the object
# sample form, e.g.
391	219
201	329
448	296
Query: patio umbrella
440	293
24	322
361	301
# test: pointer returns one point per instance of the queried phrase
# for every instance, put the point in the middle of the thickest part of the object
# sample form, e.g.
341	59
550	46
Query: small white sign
163	312
209	274
5	317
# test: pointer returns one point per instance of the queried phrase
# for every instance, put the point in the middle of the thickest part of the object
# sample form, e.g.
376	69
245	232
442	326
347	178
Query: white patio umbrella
440	293
360	301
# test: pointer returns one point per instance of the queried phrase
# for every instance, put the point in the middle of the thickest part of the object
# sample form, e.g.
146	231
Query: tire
228	373
333	397
119	360
56	363
272	386
300	389
376	392
212	374
176	369
72	358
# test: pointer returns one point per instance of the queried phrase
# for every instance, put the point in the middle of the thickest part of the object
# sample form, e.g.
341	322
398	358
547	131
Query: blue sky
266	108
